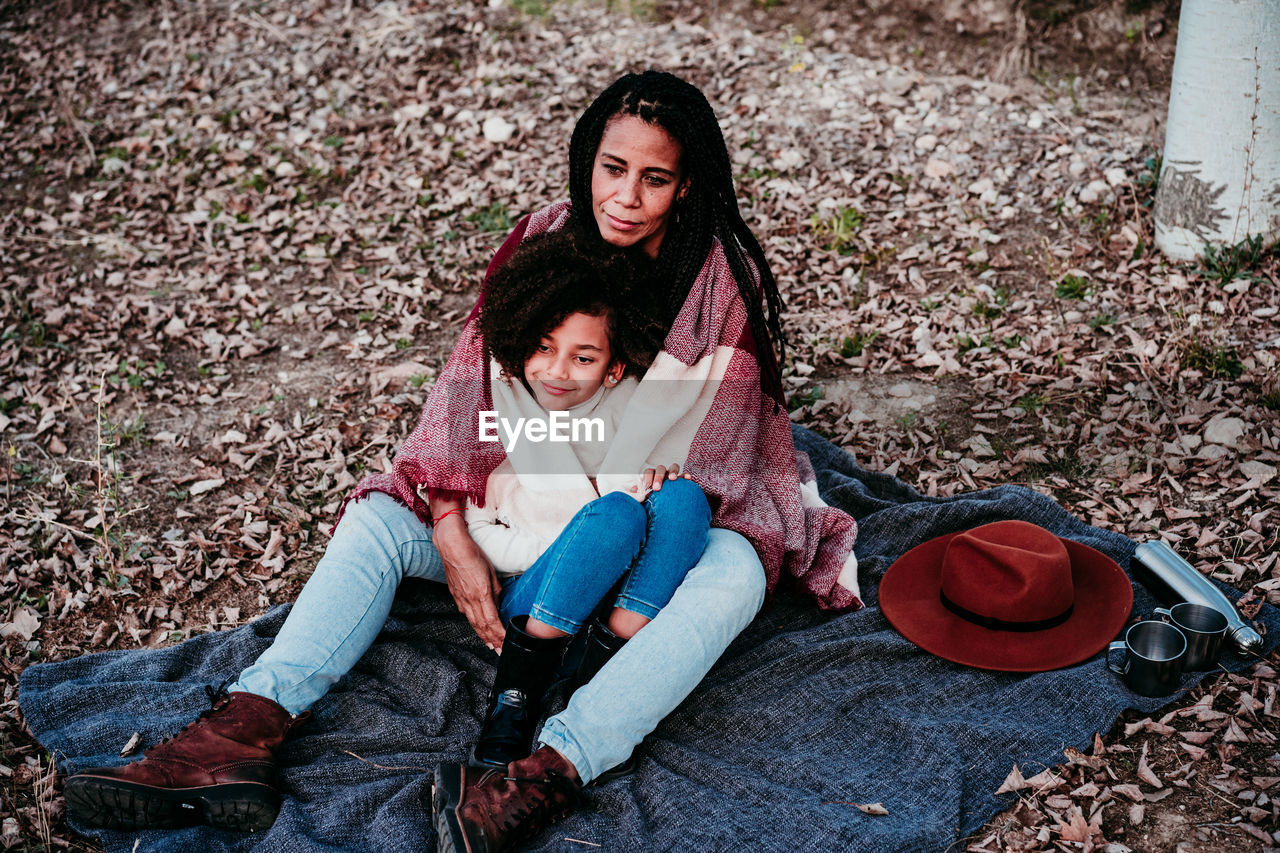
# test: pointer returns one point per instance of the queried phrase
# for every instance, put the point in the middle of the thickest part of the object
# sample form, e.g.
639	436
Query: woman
648	170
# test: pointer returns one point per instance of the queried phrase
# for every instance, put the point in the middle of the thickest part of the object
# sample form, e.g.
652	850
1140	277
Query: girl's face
572	362
634	183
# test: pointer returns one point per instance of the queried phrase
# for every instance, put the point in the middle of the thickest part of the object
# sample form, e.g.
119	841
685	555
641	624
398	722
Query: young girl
564	328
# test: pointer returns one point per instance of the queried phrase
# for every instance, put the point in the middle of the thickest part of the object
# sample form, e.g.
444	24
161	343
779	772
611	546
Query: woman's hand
472	580
651	479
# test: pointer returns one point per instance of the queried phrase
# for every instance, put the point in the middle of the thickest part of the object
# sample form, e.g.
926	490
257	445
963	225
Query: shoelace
526	821
218	697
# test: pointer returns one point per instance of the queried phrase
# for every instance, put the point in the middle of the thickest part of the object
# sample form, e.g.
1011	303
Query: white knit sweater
541	485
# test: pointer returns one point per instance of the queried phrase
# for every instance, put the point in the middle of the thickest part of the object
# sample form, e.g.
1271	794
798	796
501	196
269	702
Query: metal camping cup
1153	654
1204	627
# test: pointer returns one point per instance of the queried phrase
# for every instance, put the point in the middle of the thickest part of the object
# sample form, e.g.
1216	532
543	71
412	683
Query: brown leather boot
220	770
487	811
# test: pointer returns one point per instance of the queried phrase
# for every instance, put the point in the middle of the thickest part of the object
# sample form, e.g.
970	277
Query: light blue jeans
379	542
653	545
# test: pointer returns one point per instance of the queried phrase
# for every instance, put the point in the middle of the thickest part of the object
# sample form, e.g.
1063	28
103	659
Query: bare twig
384	766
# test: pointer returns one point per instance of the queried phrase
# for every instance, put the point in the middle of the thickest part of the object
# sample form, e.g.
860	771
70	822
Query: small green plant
1000	298
1072	287
1031	402
1212	358
839	232
403	344
366	316
113	551
907	420
533	8
1100	321
333	141
1149	178
1227	263
418	380
491	218
121	432
1270	399
966	342
136	374
808	397
854	345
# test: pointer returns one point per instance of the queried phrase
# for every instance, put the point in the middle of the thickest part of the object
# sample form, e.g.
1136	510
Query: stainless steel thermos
1172	580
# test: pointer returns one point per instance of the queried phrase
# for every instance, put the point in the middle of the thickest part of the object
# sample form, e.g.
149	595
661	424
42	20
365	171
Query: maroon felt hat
1009	596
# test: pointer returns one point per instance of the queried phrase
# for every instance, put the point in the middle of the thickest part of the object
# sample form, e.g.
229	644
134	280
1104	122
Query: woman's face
571	363
634	183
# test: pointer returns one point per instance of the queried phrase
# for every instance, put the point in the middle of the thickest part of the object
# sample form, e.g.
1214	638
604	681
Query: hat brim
910	601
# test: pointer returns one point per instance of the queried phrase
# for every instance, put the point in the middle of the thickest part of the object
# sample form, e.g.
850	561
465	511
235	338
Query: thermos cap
1246	640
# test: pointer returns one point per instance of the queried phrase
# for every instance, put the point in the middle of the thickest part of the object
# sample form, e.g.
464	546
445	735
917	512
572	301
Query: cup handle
1118	646
1165	614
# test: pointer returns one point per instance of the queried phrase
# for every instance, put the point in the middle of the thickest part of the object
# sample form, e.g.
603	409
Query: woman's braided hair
558	273
709	208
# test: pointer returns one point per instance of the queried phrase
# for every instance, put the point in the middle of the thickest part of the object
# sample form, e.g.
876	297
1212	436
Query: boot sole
111	803
479	764
445	796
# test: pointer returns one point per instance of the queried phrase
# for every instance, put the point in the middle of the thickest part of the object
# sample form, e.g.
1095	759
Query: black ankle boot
600	645
525	670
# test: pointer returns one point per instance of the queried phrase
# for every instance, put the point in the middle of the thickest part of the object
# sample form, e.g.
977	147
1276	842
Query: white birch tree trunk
1220	178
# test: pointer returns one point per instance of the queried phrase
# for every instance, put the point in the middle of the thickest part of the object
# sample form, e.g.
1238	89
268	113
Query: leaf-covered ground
238	239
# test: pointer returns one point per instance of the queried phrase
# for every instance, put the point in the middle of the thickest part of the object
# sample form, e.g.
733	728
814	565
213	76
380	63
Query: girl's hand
651	479
472	580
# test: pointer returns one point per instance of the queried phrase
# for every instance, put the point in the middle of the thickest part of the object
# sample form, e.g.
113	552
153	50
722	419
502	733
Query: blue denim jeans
379	542
649	547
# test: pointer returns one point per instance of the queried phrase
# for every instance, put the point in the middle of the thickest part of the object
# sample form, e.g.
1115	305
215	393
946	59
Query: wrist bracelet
448	513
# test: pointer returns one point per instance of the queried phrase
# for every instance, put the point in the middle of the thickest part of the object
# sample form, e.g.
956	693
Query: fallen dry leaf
1145	772
1133	792
1077	828
24	624
1013	782
132	745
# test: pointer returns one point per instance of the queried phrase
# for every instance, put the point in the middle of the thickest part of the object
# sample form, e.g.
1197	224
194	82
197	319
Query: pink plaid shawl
741	453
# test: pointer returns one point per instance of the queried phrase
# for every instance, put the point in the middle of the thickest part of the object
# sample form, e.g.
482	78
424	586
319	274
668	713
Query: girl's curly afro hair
553	275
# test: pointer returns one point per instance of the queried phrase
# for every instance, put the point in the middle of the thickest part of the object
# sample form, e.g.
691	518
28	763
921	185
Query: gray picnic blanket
805	715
